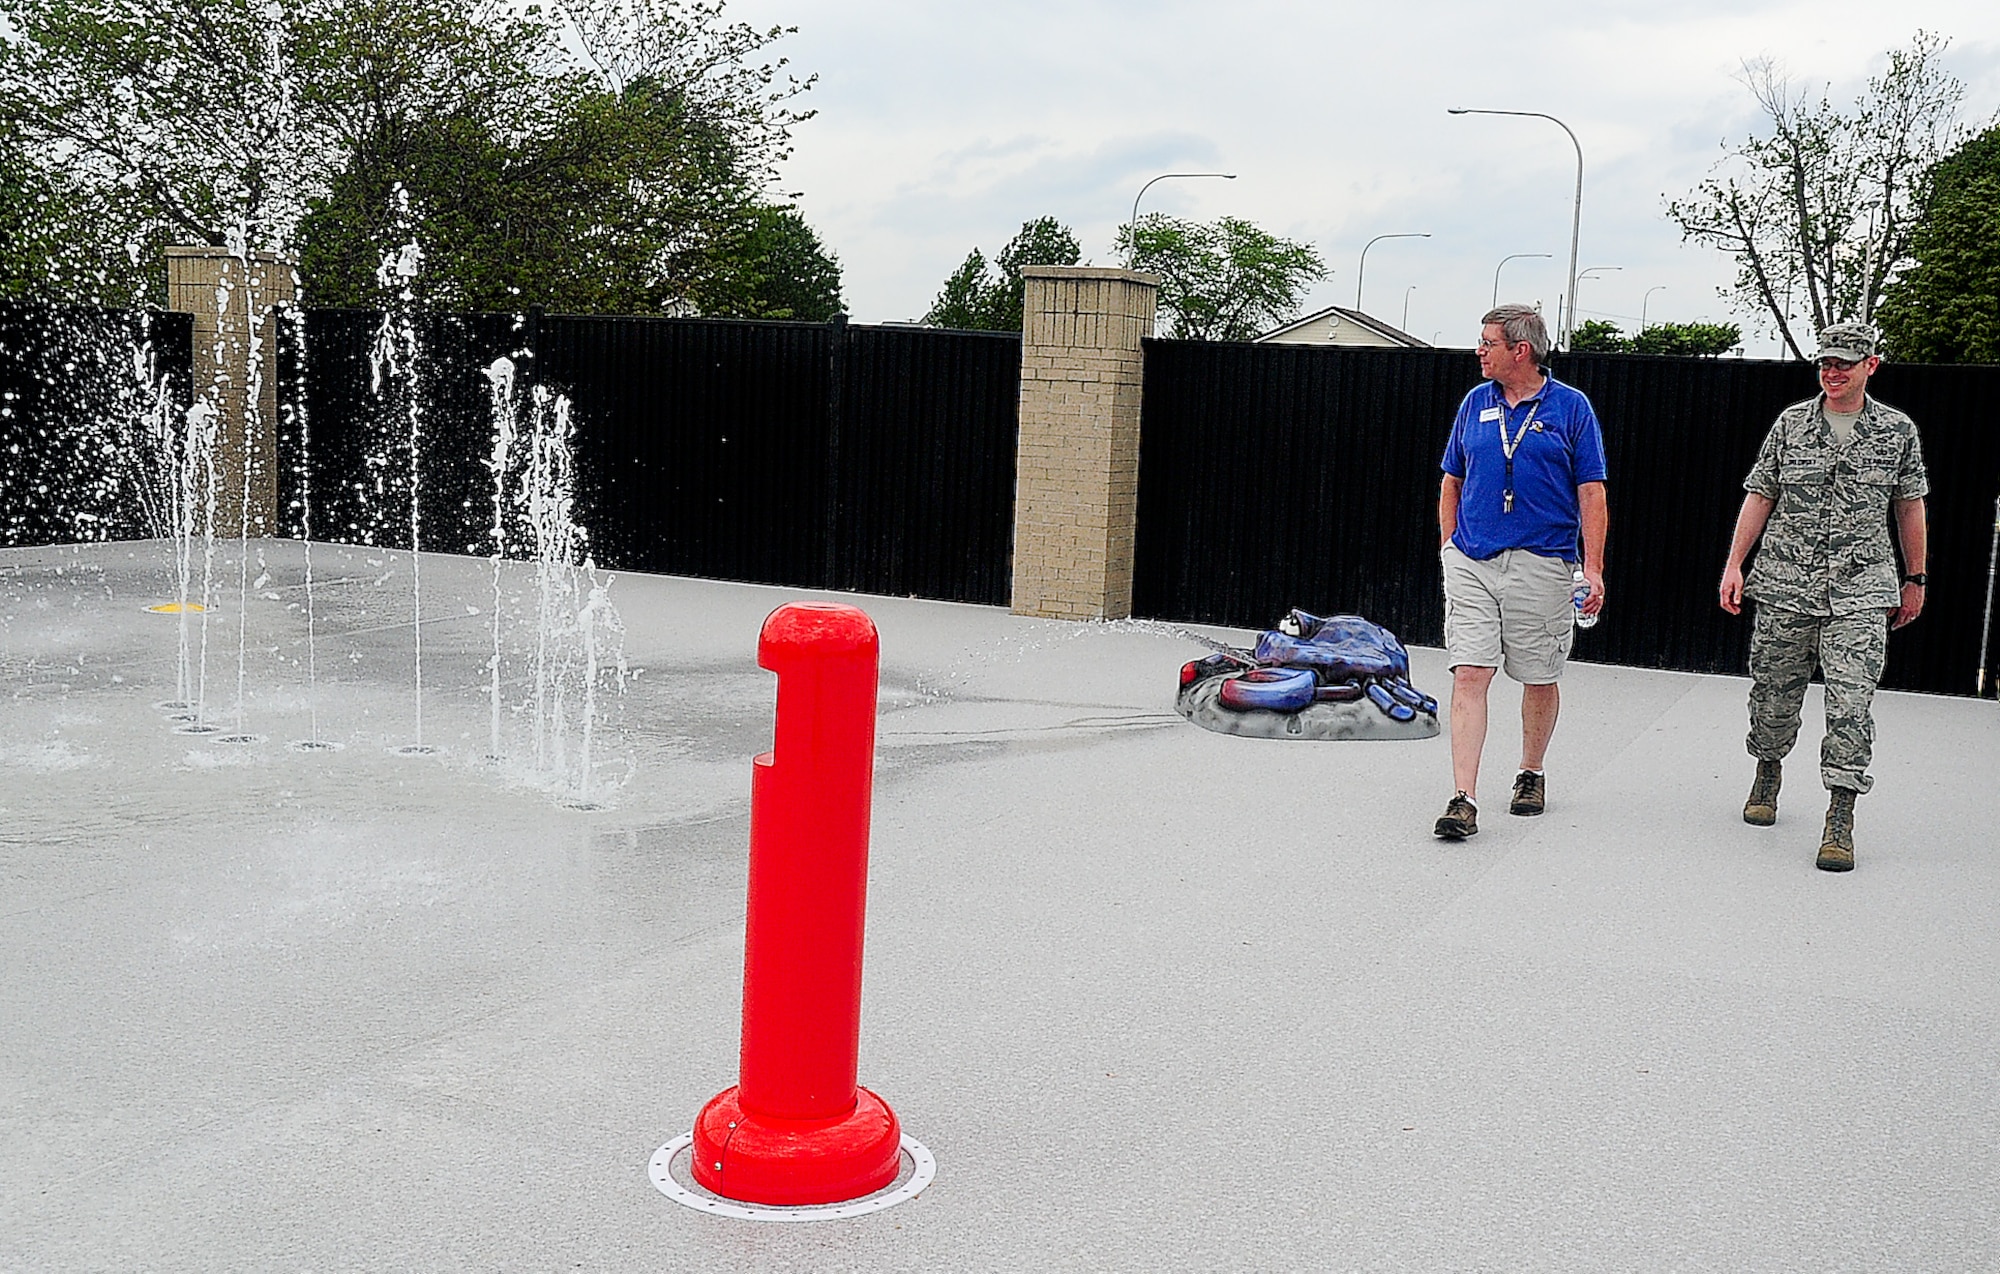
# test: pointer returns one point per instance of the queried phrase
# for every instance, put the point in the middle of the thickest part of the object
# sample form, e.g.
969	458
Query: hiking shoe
1836	844
1461	819
1529	797
1762	807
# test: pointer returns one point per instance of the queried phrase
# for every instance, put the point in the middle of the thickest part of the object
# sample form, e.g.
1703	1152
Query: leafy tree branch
1818	208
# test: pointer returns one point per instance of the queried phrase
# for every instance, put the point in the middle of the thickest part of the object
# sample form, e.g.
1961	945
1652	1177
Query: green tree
1600	336
1225	280
1818	213
613	203
1043	241
1689	340
161	122
965	302
627	138
779	270
975	298
1946	308
21	190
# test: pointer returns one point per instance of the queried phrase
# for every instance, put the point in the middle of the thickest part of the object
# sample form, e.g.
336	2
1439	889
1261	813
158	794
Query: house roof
1356	317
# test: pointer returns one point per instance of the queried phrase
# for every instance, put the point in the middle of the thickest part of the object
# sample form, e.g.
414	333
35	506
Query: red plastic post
796	1129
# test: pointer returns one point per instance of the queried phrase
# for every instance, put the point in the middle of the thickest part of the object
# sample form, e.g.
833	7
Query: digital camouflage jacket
1826	548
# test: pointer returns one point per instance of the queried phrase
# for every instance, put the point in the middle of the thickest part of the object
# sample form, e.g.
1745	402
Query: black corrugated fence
876	459
1275	476
881	459
344	438
77	415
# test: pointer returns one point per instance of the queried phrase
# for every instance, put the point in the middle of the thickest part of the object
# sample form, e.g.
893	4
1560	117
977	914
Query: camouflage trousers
1850	651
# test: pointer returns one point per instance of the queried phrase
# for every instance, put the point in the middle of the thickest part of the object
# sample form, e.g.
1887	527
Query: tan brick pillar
1076	486
233	308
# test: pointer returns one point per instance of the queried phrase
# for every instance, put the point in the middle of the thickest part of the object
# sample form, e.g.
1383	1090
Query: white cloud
942	127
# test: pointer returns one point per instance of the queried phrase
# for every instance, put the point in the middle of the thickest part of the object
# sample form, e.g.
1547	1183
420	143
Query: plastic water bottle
1579	593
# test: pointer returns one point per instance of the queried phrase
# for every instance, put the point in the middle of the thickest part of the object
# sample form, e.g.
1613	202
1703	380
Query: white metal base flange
923	1169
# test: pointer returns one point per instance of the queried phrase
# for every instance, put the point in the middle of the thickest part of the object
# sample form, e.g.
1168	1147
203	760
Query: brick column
233	307
1076	492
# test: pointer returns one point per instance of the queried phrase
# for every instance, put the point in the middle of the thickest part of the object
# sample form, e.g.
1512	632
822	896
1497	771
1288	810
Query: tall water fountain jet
247	461
396	361
576	634
194	505
598	619
161	450
277	127
558	544
204	426
268	203
500	383
298	415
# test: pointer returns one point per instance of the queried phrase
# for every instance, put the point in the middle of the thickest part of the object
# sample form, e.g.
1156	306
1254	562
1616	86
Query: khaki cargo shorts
1512	611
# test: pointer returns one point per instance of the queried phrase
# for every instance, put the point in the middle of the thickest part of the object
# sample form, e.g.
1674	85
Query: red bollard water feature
796	1129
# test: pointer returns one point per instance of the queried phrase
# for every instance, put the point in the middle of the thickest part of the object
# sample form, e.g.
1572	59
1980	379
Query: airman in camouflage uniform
1830	474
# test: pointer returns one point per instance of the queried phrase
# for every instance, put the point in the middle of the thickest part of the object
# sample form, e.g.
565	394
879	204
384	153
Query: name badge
1491	413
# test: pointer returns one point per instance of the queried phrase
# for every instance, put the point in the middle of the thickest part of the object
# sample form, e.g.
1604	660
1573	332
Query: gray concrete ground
1155	998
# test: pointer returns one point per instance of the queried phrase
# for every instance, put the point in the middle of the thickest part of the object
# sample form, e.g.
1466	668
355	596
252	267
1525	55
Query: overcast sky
943	126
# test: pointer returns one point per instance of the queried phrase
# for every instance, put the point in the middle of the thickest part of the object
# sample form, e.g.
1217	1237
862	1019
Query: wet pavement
1155	998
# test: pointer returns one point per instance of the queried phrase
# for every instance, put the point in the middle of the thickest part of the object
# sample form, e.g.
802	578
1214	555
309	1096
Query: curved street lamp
1657	287
1361	270
1132	227
1576	212
1512	256
1573	311
1405	325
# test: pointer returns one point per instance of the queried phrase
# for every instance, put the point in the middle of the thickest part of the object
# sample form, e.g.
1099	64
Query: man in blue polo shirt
1523	491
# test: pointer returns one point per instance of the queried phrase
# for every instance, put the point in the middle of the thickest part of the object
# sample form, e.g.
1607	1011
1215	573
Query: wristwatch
1921	579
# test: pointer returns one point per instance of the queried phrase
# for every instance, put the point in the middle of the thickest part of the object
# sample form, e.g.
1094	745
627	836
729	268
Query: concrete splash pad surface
1156	998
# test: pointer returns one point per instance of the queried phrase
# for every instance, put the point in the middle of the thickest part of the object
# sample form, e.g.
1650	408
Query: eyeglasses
1841	364
1486	344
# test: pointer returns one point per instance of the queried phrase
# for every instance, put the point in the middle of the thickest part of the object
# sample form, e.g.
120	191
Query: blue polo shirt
1562	449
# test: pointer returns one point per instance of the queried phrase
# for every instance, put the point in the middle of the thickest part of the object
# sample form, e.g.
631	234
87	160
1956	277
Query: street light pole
1512	256
1576	209
1362	269
1657	287
1406	307
1132	227
1573	310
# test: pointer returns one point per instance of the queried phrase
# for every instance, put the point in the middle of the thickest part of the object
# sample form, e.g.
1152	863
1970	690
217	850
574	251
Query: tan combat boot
1836	850
1762	807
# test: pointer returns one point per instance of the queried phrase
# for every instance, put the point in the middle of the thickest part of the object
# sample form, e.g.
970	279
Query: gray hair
1521	323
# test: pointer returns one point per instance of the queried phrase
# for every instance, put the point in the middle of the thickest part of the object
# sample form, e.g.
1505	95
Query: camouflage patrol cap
1850	341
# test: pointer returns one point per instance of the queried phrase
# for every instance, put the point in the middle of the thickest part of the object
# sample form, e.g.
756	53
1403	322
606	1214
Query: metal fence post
836	389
